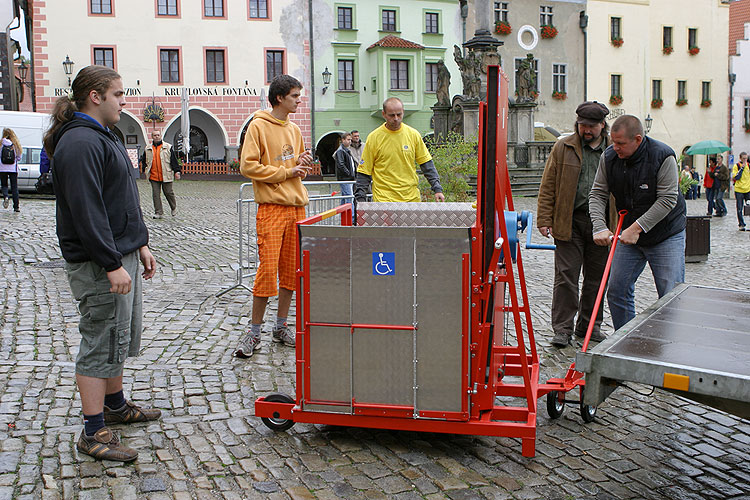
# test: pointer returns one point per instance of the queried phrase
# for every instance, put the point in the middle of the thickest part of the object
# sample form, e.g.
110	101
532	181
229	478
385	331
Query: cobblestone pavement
208	444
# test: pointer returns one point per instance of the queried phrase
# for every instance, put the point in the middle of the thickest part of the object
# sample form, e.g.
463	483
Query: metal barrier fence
323	197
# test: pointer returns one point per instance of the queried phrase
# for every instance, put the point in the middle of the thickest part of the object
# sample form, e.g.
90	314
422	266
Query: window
656	90
345	18
215	66
346	74
170	65
559	78
101	6
545	16
213	8
681	90
616	85
166	7
536	72
430	81
431	22
746	112
501	11
399	74
706	91
259	9
615	31
104	56
274	64
667	36
389	20
692	37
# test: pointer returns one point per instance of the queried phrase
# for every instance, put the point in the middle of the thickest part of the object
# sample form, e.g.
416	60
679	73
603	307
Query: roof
394	42
739	14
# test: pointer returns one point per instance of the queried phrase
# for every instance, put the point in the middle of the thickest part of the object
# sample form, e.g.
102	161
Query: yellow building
663	58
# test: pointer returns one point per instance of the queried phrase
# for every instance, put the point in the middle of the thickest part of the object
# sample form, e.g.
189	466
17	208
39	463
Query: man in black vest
642	175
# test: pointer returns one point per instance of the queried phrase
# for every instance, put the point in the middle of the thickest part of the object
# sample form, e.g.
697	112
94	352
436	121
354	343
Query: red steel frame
483	311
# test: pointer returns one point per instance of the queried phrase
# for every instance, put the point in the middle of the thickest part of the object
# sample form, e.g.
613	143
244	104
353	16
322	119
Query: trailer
417	318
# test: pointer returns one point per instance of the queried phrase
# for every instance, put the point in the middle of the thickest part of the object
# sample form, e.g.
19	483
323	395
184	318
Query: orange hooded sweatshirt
269	153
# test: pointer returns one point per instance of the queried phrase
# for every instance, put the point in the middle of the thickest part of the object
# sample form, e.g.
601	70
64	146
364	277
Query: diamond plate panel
416	214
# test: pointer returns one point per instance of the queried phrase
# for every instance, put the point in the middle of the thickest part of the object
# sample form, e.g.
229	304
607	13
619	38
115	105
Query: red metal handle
603	284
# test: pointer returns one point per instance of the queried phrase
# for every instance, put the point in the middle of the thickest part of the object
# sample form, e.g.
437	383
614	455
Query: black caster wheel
275	423
587	412
555	404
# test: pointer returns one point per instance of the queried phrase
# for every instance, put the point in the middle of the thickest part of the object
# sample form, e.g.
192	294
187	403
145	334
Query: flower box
668	49
560	96
615	100
706	103
503	28
617	42
657	103
694	50
549	31
747	128
682	102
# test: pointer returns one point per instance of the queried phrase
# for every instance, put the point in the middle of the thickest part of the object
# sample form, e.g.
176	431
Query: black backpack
8	155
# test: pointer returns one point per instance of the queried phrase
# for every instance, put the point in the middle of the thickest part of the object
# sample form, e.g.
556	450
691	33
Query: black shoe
561	339
595	336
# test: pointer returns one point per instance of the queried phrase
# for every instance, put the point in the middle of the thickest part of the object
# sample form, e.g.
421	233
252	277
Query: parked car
28	170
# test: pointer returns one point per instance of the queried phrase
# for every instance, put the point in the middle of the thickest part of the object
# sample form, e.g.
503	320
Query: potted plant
681	102
668	49
549	31
694	49
747	128
657	103
560	96
706	103
503	28
615	100
617	42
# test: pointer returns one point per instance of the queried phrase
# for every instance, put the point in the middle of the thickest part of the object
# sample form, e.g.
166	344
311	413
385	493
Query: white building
739	65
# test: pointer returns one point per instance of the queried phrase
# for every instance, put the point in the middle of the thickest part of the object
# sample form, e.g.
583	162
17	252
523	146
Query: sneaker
174	212
742	228
284	335
5	202
16	209
595	336
561	339
129	413
158	216
105	445
246	346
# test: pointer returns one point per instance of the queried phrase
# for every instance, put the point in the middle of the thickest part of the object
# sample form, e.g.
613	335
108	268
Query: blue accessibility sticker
383	263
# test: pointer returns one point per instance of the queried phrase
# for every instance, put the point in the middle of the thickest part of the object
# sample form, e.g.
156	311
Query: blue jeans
741	198
710	196
667	263
719	205
346	190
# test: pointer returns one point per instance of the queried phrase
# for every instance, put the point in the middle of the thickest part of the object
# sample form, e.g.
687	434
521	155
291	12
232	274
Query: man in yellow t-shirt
390	157
741	178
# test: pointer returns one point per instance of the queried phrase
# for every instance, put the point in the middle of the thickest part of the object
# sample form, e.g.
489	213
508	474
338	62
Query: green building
370	51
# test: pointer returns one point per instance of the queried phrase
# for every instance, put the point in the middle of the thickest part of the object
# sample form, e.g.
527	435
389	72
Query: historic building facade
225	52
739	72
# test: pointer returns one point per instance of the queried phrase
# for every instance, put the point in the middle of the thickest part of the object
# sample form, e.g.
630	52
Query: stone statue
526	79
443	84
471	70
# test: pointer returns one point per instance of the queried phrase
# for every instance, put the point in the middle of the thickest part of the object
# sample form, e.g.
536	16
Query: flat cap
591	112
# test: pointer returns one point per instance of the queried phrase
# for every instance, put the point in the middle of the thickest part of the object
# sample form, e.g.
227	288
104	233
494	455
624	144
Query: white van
30	128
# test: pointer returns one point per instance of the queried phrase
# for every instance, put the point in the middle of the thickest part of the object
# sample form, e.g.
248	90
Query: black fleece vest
632	181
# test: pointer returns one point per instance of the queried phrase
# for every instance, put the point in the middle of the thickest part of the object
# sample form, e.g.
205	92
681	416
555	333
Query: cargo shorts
110	323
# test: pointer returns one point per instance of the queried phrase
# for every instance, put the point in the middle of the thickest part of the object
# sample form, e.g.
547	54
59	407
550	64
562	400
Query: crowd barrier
323	195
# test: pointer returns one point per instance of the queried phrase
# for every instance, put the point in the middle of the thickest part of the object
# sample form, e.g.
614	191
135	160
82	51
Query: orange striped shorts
277	248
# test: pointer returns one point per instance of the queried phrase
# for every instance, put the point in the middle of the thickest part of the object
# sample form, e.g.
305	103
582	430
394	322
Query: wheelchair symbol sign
383	263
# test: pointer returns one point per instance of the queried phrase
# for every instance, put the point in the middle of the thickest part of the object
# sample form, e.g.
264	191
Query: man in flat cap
641	174
563	212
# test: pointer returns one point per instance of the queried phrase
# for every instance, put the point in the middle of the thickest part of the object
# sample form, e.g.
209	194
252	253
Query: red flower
668	49
615	100
657	103
560	96
694	50
617	42
706	103
503	28
681	102
549	31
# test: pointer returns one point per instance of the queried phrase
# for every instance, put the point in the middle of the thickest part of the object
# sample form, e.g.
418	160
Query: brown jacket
557	191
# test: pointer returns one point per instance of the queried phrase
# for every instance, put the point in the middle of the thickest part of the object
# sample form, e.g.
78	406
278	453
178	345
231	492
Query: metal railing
323	197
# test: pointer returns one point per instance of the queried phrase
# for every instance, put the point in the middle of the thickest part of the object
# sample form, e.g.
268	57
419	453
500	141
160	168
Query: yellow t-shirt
742	185
391	159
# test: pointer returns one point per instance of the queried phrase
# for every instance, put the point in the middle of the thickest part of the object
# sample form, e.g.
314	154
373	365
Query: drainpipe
464	15
732	79
583	22
11	64
312	74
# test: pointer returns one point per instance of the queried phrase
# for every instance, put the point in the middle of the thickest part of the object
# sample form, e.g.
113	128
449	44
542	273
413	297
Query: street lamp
68	67
326	79
23	71
649	122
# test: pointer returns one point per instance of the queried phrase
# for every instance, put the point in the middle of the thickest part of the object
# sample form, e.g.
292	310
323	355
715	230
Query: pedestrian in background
346	167
721	186
10	154
102	237
563	212
356	147
741	178
162	169
708	183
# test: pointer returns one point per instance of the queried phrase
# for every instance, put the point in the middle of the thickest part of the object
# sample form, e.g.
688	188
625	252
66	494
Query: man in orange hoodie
274	157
